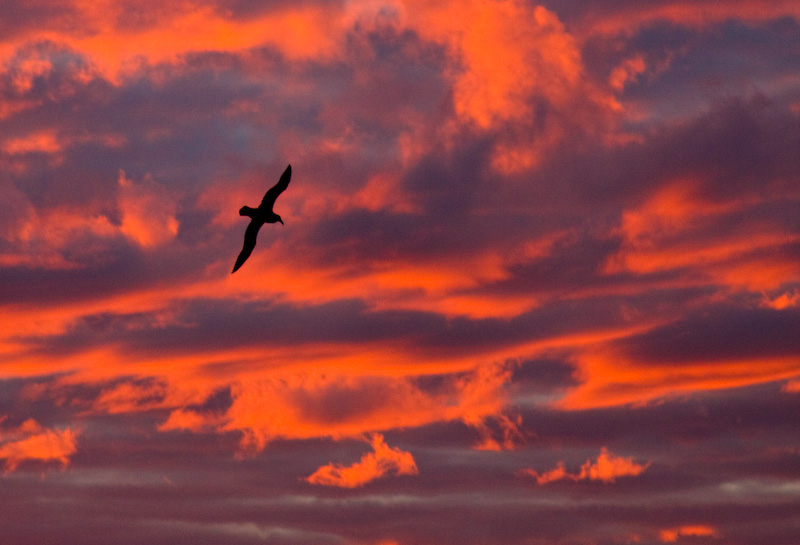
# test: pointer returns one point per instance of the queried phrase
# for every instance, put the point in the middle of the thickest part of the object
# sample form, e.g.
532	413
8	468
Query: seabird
261	215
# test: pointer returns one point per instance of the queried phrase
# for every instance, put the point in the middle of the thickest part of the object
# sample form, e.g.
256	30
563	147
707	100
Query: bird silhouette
261	215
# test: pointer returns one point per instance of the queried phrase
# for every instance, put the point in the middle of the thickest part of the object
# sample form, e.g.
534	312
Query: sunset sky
538	282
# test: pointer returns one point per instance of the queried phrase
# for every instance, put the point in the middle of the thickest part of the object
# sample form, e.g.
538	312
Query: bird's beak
280	220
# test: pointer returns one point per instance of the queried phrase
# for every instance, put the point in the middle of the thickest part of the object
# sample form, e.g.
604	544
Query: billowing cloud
383	461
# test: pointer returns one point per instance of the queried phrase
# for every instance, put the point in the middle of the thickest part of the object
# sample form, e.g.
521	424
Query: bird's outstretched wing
250	235
269	199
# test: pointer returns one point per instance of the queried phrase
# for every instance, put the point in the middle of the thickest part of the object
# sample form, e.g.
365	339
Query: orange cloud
509	50
302	406
673	229
308	31
671	535
42	142
30	441
628	17
182	419
438	285
792	386
673	208
607	469
509	437
626	72
384	460
610	378
505	53
42	239
556	474
148	211
48	141
502	53
130	397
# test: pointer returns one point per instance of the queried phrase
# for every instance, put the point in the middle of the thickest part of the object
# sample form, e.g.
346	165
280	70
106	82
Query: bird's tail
246	211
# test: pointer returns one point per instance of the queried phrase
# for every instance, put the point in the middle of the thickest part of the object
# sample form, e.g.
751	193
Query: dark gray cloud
22	16
720	334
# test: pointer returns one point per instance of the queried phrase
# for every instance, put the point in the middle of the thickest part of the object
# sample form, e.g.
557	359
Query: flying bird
261	215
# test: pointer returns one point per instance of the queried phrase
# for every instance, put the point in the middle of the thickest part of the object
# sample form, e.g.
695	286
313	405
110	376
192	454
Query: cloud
792	386
30	441
607	469
44	142
118	37
190	420
131	396
336	406
59	240
511	228
509	52
673	230
720	347
672	535
147	210
615	18
383	461
515	64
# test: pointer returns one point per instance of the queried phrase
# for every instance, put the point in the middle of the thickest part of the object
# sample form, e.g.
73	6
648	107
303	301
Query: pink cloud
383	461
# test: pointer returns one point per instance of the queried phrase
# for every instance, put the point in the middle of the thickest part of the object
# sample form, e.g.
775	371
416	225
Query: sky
538	282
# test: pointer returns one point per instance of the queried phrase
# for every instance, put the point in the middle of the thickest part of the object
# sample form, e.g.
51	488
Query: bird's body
261	215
